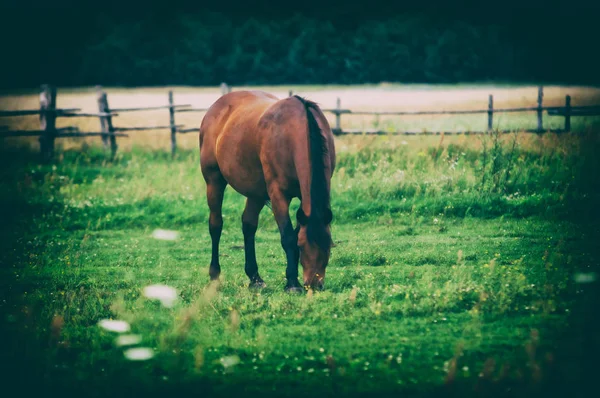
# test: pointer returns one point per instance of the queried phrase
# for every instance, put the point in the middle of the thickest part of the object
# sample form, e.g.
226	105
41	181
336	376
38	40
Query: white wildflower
230	361
128	339
164	234
165	294
138	354
582	277
114	325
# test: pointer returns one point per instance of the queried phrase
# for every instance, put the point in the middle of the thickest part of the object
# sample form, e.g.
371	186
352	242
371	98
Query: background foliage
202	47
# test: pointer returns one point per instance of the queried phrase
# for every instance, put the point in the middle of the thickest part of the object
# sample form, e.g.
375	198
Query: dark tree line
206	48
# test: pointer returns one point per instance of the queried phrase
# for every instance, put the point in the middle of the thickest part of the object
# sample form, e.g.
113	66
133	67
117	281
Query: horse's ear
328	216
301	217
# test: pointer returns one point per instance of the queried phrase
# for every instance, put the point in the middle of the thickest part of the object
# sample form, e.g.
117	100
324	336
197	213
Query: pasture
462	265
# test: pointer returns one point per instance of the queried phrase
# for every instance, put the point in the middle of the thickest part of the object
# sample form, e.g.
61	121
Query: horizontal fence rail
36	112
30	133
192	110
109	133
461	112
403	132
57	112
99	114
576	111
145	128
149	108
189	130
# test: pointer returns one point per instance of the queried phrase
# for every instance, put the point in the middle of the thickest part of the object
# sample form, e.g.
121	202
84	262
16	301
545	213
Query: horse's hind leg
249	226
215	187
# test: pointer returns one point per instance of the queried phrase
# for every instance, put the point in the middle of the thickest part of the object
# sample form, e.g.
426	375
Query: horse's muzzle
316	284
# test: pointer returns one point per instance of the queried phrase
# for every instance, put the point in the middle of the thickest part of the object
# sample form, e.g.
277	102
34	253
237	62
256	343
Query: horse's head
314	242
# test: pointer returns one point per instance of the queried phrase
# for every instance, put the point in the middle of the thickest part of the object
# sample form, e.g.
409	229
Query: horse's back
230	140
219	113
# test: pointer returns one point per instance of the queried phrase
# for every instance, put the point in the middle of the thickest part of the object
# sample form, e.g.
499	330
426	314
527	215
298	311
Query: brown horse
271	150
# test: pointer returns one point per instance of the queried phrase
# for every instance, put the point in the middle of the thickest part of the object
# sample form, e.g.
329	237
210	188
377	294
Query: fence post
106	123
172	123
47	121
103	125
338	115
567	114
540	125
491	113
224	88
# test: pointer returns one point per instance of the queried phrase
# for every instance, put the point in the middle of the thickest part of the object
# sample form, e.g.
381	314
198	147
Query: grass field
462	266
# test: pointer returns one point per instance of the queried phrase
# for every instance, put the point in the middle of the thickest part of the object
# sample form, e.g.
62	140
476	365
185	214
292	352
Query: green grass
448	256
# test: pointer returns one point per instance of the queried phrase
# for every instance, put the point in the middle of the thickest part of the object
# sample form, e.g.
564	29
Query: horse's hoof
260	284
294	289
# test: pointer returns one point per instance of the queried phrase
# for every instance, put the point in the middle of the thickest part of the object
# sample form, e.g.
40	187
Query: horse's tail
319	193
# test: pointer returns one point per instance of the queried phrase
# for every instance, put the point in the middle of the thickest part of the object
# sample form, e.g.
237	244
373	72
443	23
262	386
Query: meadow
462	265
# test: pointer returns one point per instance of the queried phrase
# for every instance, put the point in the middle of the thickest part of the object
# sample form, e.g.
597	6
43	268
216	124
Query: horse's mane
319	193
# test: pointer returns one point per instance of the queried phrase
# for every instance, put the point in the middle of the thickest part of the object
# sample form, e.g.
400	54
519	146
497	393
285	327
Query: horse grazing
271	150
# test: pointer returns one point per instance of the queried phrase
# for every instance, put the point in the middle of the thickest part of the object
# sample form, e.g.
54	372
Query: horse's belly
247	183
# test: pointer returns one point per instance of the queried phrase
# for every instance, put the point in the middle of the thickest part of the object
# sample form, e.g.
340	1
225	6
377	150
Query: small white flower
114	325
581	277
230	361
165	294
164	234
138	354
435	220
128	339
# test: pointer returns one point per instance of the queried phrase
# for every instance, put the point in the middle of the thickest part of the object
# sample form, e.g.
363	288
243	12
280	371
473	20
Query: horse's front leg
289	240
249	226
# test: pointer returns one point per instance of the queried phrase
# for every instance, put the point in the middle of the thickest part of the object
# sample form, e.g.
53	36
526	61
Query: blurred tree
157	47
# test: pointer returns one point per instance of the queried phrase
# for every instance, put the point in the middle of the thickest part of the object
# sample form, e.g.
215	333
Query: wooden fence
567	112
109	133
